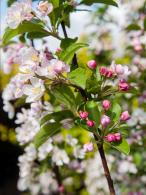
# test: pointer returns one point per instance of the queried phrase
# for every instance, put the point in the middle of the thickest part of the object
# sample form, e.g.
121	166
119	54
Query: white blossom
18	12
35	90
59	156
45	149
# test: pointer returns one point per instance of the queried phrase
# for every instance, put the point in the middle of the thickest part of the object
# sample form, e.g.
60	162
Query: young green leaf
26	26
133	27
57	116
122	146
45	132
79	77
94	113
116	111
67	41
107	2
67	54
65	96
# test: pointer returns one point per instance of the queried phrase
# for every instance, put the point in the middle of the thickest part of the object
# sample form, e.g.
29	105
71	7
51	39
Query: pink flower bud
118	136
109	73
110	137
123	85
125	116
92	64
61	189
83	115
105	120
106	104
103	71
88	147
106	72
90	123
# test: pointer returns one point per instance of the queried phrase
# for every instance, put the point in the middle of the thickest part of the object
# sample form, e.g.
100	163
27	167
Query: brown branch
106	169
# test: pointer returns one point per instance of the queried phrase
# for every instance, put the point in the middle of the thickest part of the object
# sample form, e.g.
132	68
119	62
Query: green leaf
107	2
144	24
79	77
133	27
93	85
116	111
93	110
82	124
67	55
67	41
45	132
65	96
57	116
37	35
31	26
55	3
122	146
10	2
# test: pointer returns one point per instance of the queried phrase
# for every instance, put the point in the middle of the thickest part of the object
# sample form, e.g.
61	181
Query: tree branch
105	166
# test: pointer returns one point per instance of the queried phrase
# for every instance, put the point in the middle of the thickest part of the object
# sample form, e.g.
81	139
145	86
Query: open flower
18	12
29	60
35	90
121	71
45	8
52	69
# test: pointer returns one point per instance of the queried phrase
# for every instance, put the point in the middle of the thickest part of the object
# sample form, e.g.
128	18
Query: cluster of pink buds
105	121
125	116
113	137
123	85
106	72
92	64
106	105
84	116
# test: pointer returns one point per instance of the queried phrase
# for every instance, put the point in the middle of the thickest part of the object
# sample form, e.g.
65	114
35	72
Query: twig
106	169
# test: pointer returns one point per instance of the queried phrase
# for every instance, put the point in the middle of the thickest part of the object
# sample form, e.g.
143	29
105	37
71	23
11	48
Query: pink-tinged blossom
18	12
105	121
45	8
125	116
123	85
106	104
90	123
35	90
83	114
29	60
52	69
11	56
92	64
121	71
88	147
137	44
